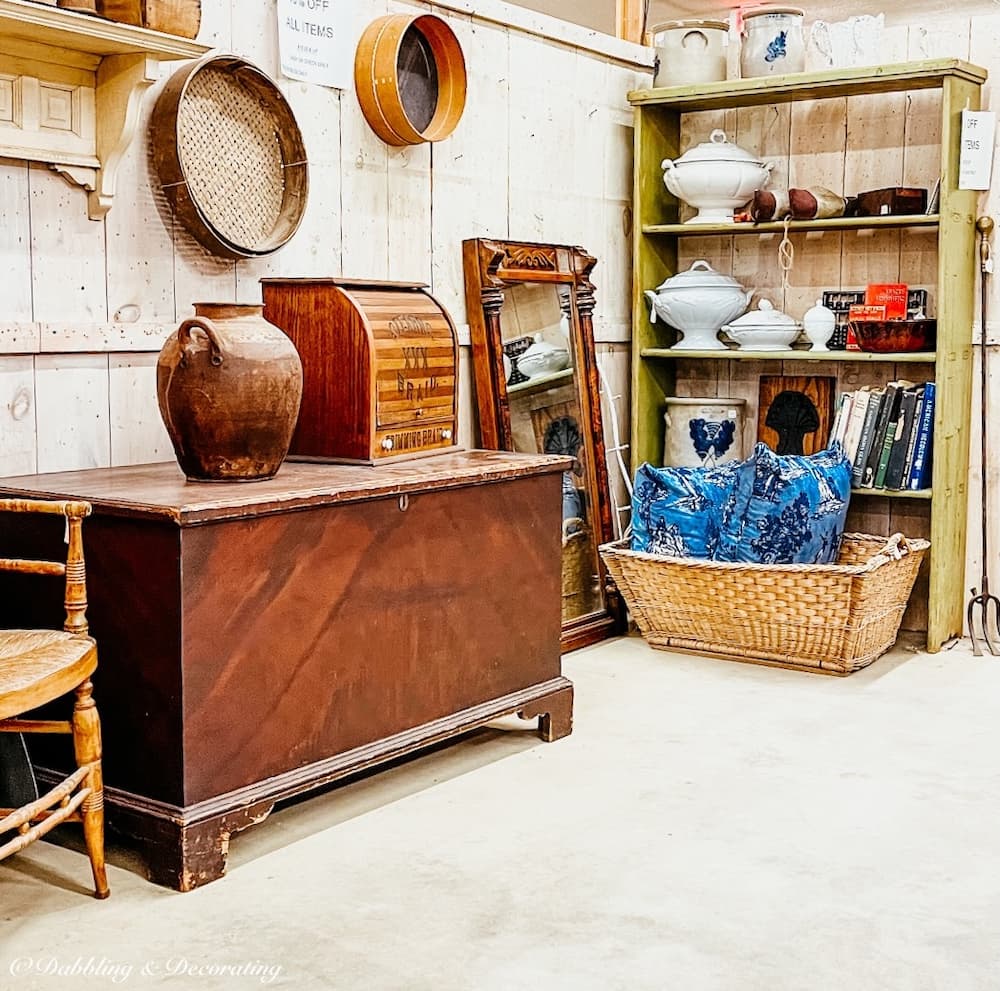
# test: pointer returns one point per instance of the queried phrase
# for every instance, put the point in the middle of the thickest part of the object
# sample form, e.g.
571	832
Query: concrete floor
709	825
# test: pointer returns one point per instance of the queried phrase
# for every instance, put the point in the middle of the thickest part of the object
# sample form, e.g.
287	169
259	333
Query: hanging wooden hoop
230	157
376	78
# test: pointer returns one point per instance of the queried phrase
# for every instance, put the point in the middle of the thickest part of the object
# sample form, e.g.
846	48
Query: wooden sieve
230	157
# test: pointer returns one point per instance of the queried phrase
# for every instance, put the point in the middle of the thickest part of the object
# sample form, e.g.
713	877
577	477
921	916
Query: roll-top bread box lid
379	368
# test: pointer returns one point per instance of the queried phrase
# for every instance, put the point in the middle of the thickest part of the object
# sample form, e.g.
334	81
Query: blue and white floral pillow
682	512
796	506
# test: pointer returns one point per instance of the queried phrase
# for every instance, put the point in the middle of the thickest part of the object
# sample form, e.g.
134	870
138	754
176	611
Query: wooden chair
39	666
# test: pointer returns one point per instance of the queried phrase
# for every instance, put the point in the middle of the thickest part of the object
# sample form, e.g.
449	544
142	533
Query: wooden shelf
74	84
540	382
777	227
924	494
828	84
791	354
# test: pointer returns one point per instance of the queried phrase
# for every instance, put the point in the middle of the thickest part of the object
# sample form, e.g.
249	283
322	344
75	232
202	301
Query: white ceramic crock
698	302
764	329
773	42
716	177
703	432
690	52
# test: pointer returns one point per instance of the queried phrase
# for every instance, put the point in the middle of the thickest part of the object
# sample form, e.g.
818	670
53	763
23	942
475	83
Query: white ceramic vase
818	324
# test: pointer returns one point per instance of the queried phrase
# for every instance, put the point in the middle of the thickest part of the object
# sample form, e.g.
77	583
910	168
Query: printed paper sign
976	162
316	40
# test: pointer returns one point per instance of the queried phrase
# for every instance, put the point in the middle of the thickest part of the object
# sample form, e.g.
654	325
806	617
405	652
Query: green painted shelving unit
658	115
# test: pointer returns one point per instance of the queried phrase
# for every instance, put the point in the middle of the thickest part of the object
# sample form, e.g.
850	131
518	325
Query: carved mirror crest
531	318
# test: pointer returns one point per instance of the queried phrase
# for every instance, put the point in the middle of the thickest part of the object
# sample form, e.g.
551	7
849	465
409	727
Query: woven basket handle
896	547
209	330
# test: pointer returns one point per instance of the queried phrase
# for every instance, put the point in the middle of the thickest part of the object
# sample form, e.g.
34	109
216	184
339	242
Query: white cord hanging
611	405
786	256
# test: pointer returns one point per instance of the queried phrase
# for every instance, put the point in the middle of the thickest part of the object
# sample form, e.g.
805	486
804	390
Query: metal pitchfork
987	606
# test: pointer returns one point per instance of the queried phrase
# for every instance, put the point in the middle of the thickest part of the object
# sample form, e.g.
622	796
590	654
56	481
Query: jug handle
208	329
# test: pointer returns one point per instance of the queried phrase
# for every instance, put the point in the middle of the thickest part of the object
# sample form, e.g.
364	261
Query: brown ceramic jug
229	385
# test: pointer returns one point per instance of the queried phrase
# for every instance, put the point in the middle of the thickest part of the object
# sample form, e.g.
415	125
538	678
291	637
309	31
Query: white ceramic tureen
543	358
698	302
717	177
764	329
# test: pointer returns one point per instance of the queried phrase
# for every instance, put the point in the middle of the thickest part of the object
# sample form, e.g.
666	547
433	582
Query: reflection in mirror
545	418
530	309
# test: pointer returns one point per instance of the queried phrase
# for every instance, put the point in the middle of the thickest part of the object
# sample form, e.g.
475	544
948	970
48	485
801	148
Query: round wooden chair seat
37	666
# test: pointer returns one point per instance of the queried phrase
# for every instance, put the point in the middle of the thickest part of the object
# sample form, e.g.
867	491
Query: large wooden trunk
256	641
379	368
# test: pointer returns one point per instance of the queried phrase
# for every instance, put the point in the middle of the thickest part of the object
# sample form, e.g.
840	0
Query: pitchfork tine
976	650
988	628
990	621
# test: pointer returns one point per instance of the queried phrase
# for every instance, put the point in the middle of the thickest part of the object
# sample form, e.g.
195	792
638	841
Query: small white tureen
717	177
764	329
698	302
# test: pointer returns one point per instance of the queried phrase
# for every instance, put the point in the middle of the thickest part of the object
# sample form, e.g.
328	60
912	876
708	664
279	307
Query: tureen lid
765	317
699	275
718	148
543	347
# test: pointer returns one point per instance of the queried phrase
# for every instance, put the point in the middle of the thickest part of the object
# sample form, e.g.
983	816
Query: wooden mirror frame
491	266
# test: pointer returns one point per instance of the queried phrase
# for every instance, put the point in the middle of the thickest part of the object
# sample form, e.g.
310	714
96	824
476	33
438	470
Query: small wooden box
379	368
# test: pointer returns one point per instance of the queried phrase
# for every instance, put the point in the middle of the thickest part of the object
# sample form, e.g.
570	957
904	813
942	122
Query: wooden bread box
379	368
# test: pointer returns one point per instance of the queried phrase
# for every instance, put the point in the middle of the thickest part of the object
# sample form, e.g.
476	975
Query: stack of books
888	433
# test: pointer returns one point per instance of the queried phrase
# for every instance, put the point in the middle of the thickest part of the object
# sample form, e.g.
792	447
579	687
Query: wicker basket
577	568
834	618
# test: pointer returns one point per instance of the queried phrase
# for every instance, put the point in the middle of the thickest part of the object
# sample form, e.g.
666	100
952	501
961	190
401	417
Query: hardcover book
920	470
901	440
893	296
865	441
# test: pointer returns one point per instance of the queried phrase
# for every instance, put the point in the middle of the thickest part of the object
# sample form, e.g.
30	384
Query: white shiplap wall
543	152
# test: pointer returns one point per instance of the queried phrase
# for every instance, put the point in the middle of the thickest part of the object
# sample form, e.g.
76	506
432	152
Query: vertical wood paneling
15	244
540	170
256	37
818	125
217	24
198	275
364	165
614	273
365	194
17	414
874	159
67	252
137	432
140	251
316	248
468	161
71	400
408	177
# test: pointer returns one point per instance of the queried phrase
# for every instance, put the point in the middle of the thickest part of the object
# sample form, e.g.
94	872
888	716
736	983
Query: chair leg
87	746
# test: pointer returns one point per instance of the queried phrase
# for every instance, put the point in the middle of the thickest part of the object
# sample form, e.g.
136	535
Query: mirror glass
530	308
545	418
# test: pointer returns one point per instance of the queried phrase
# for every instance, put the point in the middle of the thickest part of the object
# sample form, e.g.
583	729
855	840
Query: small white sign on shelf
316	40
976	160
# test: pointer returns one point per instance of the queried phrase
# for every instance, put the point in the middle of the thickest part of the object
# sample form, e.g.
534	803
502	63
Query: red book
866	311
891	295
